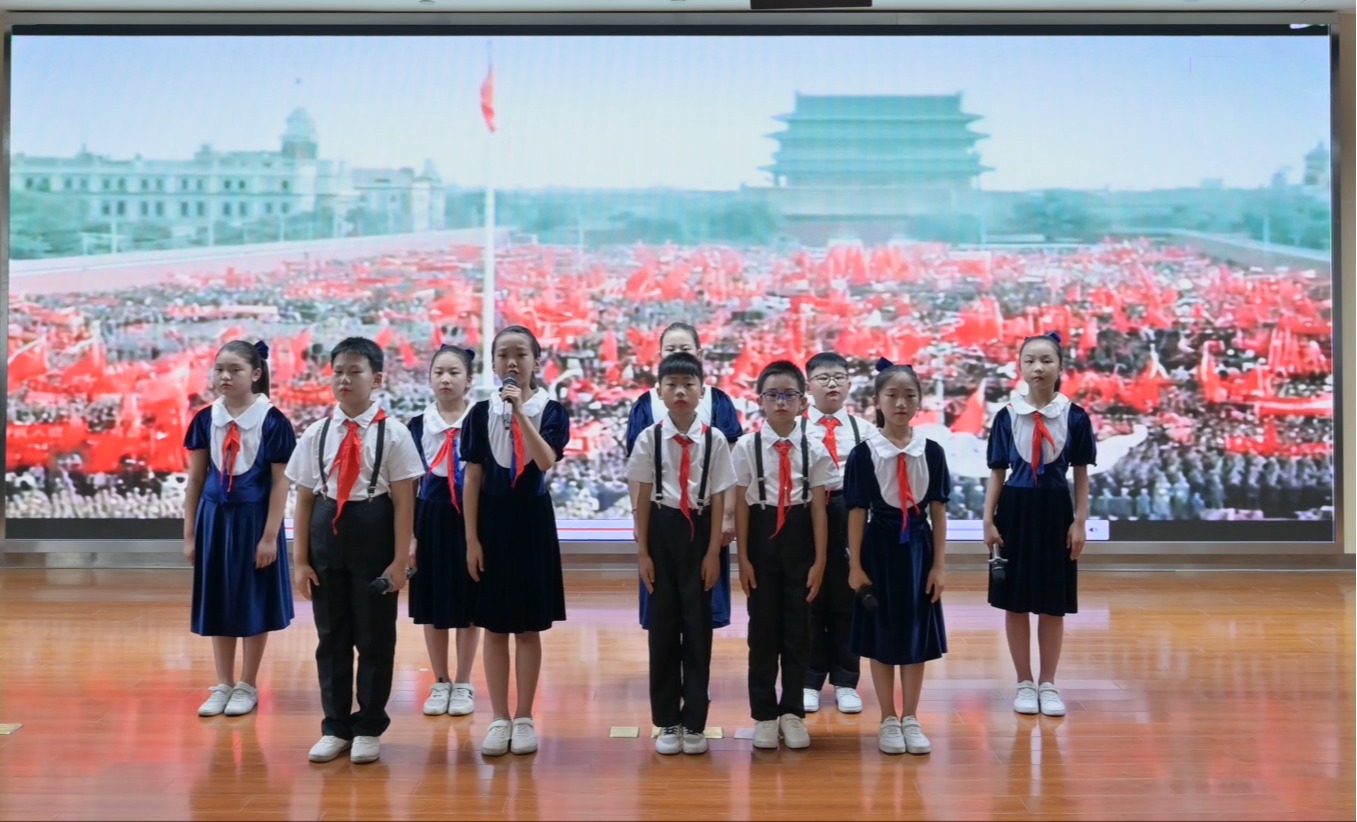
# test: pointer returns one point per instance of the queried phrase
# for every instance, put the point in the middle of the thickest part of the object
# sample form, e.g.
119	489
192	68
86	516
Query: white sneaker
765	733
215	704
915	741
365	749
670	741
848	700
328	748
437	703
811	699
524	736
890	739
1026	700
463	699
496	738
694	742
794	731
1049	696
243	700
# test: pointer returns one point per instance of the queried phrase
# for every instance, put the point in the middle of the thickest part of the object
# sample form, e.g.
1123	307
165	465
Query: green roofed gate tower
877	168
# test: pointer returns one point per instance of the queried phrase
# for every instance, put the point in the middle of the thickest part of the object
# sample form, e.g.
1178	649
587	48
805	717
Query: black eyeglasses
826	379
781	396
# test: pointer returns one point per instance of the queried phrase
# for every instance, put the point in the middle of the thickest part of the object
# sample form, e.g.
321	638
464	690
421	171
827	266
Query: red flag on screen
488	99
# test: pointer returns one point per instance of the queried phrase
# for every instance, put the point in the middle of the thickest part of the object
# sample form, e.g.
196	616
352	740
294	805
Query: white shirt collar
1053	409
669	430
770	436
814	414
434	422
532	406
886	449
251	417
364	419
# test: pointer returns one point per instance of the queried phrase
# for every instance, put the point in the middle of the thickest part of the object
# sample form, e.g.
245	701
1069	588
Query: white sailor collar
434	422
250	418
886	449
532	406
1053	410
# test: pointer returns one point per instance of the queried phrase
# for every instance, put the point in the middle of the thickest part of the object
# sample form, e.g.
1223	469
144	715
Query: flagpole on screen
488	282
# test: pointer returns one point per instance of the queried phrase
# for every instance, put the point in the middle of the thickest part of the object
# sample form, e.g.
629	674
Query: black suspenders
376	462
805	465
701	502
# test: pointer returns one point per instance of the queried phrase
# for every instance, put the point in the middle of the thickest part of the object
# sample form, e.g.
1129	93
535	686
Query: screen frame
1057	23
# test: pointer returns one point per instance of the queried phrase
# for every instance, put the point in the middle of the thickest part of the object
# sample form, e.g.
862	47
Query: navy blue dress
726	419
441	591
521	588
230	596
907	627
1034	516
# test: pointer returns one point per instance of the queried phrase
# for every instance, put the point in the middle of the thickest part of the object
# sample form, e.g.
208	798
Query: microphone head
510	381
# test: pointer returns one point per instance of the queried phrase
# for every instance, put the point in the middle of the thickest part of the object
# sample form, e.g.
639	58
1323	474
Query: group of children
839	526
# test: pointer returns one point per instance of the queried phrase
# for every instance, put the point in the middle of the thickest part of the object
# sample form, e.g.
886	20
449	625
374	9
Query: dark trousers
350	615
779	616
831	614
680	620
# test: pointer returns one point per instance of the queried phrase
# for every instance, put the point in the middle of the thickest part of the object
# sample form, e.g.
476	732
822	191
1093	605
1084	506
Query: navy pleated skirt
907	627
230	596
1040	577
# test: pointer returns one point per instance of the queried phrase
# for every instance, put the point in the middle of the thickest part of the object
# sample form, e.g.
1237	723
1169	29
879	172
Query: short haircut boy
363	347
782	368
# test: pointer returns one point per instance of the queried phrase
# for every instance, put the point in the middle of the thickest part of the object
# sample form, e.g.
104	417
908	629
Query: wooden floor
1191	696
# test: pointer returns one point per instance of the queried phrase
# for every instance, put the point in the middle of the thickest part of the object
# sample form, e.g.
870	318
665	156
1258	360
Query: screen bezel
154	536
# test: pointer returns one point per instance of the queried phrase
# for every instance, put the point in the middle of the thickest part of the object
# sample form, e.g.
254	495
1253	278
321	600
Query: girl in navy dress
1031	523
513	553
233	522
894	485
714	409
440	594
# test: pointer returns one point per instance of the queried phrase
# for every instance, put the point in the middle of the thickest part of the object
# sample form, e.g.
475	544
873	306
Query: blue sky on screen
687	112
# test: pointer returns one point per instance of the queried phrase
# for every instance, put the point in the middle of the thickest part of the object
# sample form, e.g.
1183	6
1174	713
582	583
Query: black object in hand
384	584
998	569
867	594
509	381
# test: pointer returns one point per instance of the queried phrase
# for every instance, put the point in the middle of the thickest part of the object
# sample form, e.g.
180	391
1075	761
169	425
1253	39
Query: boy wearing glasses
781	528
831	614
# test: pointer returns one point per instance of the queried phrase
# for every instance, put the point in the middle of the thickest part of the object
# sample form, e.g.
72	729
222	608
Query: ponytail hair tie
262	348
469	353
882	364
1053	336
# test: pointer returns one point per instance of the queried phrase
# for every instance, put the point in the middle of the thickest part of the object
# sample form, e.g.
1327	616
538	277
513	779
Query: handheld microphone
509	381
867	595
998	569
383	584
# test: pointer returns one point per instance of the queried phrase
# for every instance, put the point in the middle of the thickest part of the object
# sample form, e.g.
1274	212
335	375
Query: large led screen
1163	201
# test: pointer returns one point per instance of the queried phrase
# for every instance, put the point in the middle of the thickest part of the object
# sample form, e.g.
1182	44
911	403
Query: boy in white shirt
831	614
354	473
682	468
781	531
